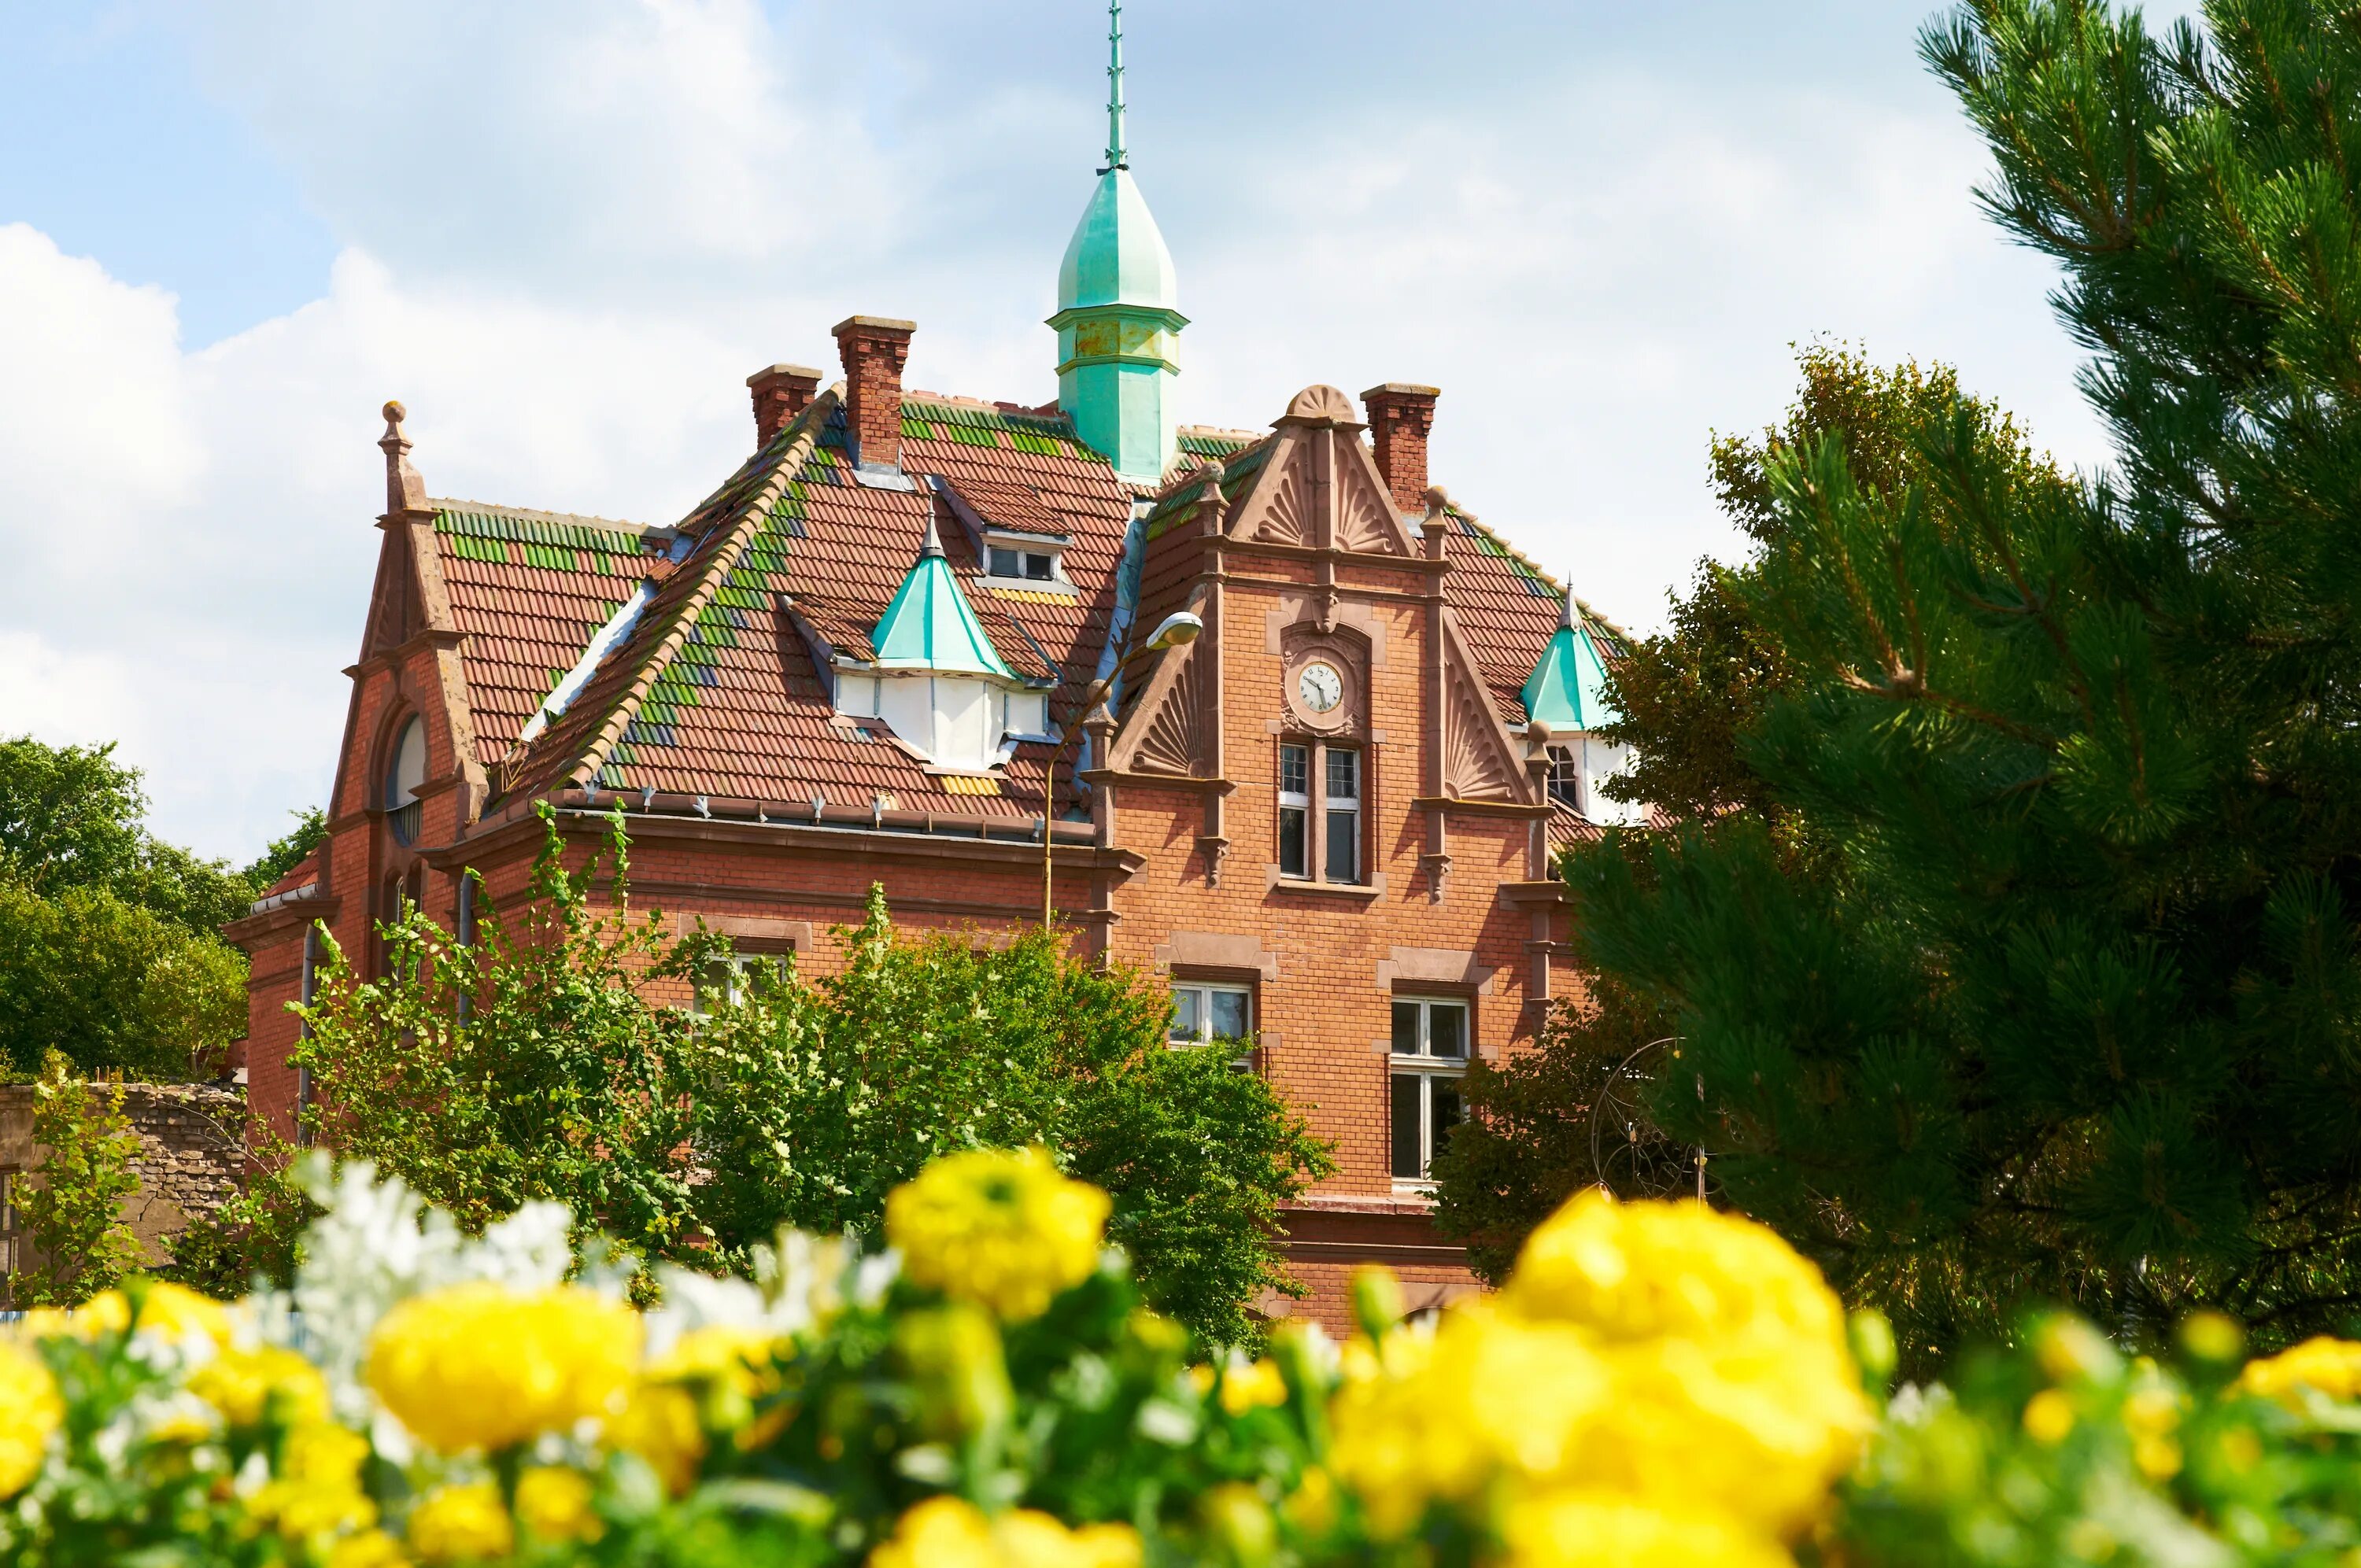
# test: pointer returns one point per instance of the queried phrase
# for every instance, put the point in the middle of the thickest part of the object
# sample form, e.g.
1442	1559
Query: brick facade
1294	548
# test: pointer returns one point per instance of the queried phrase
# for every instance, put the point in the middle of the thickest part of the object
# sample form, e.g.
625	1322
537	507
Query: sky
562	232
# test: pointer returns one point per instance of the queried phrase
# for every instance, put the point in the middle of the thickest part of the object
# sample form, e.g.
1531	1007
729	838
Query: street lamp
1174	630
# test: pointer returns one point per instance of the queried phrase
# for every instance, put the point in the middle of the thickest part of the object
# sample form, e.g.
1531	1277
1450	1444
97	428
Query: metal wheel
1628	1156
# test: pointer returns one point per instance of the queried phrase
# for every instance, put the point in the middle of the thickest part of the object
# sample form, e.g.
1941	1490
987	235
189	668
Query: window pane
1405	1028
1036	567
1444	1092
1343	774
1184	1014
1294	769
1229	1015
1446	1029
1004	563
1344	845
1405	1140
1293	854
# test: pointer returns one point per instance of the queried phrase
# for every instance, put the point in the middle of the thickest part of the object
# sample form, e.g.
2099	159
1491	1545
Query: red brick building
1327	820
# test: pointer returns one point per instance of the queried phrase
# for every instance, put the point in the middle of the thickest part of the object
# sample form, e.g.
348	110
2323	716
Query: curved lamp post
1173	631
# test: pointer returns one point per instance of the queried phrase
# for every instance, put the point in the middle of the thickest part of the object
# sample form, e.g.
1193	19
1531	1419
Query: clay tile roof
715	691
531	588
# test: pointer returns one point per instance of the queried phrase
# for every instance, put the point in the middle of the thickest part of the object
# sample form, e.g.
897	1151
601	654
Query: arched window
404	772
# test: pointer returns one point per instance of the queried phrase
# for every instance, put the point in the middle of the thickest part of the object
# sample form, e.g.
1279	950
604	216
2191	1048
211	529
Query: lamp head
1181	626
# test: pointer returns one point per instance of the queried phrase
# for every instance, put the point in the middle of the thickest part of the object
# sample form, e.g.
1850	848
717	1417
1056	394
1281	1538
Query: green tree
79	1242
114	986
693	1136
109	938
2070	1011
1689	700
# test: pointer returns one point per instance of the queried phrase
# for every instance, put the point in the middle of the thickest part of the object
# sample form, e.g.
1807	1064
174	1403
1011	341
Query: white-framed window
1429	1056
1019	565
1321	798
1340	831
1207	1011
730	981
1204	1010
1295	811
1565	776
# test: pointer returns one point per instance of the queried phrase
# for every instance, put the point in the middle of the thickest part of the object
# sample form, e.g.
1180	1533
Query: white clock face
1320	687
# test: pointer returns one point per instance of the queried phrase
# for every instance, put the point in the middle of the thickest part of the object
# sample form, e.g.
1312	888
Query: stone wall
191	1155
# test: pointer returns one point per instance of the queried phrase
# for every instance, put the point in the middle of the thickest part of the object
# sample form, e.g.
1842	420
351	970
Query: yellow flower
172	1311
554	1503
461	1524
30	1414
953	1357
247	1384
316	1489
1251	1385
2211	1336
1580	1530
951	1532
480	1366
739	1359
1732	1386
1312	1506
660	1424
2069	1348
1642	1271
369	1549
999	1227
2048	1417
1491	1394
2332	1366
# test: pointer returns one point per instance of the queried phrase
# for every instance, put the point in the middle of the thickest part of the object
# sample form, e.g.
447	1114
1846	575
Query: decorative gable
1320	488
1168	734
1479	756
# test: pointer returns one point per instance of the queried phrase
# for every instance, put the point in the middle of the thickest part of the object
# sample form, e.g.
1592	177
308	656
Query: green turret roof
1118	255
931	625
1567	690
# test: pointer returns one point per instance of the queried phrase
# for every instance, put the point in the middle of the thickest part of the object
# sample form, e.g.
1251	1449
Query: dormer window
405	769
1022	565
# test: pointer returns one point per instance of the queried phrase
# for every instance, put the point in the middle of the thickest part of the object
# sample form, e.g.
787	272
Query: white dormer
936	680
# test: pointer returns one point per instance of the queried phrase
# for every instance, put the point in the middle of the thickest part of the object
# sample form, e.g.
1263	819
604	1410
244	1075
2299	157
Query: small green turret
1115	319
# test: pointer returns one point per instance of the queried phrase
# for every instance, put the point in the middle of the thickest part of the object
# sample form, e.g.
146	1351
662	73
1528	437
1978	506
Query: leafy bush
549	1060
78	1244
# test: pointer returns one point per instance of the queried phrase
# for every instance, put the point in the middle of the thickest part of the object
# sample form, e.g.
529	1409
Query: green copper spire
1115	156
1116	317
931	625
1567	690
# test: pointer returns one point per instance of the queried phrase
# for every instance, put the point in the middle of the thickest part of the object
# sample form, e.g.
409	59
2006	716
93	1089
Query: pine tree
2075	1014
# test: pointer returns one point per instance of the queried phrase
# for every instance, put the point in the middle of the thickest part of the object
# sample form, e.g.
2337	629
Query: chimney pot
1399	417
781	392
874	349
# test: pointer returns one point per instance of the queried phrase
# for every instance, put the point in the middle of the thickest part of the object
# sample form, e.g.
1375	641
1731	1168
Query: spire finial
1568	615
1117	155
404	491
931	547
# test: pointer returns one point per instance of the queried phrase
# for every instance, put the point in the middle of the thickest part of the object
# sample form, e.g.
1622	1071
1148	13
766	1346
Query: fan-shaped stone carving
1286	514
1321	405
1170	724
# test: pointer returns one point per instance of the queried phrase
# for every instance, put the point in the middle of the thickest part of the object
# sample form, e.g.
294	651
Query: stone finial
1435	527
1320	405
404	491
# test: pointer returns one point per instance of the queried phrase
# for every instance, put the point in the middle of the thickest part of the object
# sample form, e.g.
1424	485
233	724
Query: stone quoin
1327	822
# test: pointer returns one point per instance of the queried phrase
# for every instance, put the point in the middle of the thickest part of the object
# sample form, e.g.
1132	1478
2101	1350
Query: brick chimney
781	393
1399	417
875	348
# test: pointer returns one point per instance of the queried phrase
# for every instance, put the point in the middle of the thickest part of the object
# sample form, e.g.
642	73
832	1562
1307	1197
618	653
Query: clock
1320	687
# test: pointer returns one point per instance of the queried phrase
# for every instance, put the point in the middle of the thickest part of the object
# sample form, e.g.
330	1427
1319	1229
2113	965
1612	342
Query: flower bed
1658	1383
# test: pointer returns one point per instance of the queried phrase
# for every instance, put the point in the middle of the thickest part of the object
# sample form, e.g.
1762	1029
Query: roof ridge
721	559
453	504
